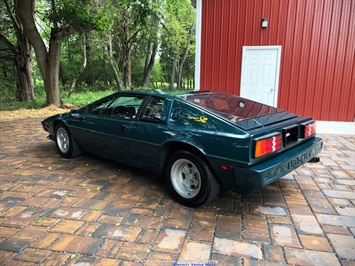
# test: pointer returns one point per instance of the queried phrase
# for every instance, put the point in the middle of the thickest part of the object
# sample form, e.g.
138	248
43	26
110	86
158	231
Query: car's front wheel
190	179
66	145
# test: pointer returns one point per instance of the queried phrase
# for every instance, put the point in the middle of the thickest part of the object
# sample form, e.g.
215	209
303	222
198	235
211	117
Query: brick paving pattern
90	211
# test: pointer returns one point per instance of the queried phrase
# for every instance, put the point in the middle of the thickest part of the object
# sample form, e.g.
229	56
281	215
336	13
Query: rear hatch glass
244	113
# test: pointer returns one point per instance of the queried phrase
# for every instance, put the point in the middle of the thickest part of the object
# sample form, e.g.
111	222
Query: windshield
229	106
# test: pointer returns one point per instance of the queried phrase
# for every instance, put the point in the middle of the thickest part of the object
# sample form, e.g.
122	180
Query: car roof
161	93
150	92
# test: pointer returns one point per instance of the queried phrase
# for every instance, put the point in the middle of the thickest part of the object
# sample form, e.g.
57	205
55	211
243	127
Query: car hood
54	117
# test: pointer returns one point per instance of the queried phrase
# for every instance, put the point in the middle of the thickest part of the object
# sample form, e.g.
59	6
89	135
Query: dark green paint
183	125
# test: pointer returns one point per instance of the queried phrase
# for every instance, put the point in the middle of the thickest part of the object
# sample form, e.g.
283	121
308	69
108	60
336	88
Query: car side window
122	107
154	110
126	107
99	108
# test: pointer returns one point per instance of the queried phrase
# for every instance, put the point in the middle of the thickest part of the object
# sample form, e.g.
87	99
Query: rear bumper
249	179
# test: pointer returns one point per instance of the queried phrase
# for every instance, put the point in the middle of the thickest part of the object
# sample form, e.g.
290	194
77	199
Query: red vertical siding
232	38
313	57
348	80
317	75
240	24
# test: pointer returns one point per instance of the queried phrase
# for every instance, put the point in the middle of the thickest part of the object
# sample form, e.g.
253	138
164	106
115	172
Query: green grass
78	98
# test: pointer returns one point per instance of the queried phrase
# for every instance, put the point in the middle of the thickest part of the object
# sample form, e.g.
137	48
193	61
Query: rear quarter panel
213	136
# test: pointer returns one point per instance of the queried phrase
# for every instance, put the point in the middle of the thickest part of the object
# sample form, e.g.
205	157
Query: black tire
190	179
66	145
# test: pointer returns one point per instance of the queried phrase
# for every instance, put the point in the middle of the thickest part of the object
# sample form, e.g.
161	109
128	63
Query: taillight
309	129
268	145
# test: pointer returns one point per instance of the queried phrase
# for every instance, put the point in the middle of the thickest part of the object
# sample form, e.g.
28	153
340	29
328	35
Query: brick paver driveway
90	211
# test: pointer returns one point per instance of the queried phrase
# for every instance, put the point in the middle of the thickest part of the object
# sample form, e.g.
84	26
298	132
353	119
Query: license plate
303	158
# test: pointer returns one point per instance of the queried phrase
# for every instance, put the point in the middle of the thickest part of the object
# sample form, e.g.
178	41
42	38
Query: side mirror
75	114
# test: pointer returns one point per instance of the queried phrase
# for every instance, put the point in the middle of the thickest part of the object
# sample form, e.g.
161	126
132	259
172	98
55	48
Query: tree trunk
187	47
22	56
81	69
24	88
172	72
127	72
52	72
26	12
48	61
112	64
126	41
149	65
48	67
62	77
104	66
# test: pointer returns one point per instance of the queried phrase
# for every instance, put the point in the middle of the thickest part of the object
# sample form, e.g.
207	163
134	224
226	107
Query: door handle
123	128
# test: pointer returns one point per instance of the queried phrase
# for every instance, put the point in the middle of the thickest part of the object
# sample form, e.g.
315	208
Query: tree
96	73
124	34
83	66
183	58
152	35
177	34
113	66
136	22
17	50
64	18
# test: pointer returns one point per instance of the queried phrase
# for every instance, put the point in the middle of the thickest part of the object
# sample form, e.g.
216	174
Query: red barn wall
317	74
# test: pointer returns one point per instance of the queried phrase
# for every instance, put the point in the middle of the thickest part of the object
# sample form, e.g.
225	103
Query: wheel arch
172	146
56	123
74	150
195	157
59	121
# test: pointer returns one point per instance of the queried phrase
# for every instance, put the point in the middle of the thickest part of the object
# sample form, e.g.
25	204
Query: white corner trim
198	44
332	127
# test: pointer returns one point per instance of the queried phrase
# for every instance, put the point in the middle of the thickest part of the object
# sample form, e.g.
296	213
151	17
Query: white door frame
278	64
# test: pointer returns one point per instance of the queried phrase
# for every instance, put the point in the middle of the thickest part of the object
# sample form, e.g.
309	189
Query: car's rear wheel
66	145
190	179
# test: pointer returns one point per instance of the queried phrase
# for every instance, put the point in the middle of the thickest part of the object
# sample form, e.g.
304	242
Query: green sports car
200	141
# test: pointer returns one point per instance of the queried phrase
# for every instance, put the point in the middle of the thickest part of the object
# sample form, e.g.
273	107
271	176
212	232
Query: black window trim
148	101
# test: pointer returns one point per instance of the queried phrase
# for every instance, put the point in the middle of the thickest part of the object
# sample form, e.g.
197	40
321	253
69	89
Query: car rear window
230	106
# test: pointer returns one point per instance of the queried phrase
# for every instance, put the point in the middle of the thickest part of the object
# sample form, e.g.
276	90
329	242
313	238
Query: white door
260	73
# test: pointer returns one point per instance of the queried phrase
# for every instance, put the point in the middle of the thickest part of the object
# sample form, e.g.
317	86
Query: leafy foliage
83	15
134	28
179	21
7	72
